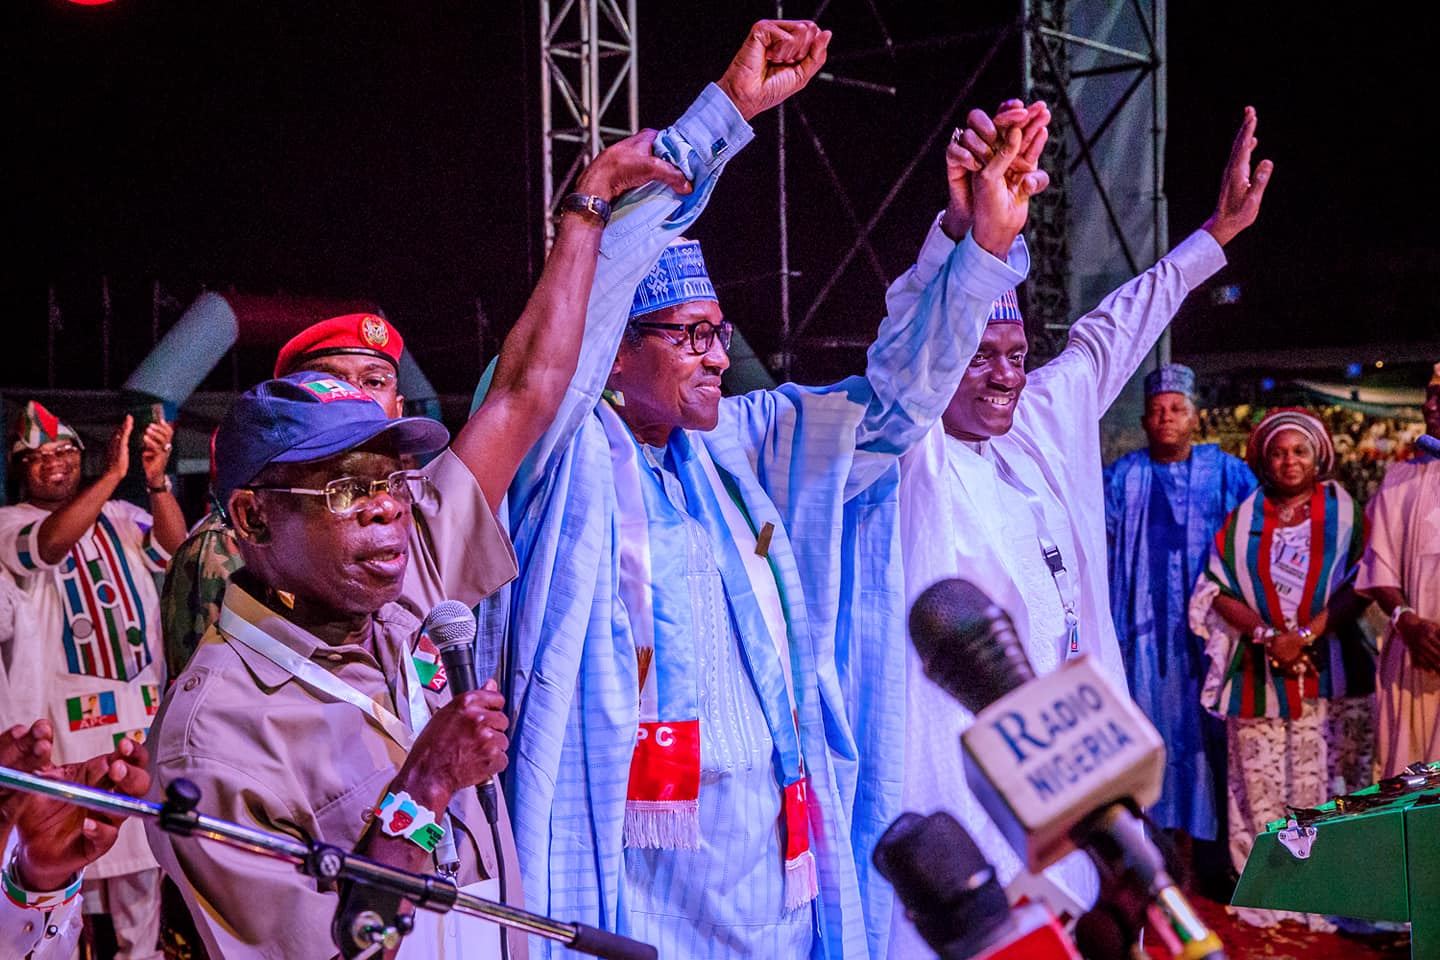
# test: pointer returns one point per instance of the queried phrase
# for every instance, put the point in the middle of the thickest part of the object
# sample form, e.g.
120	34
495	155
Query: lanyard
1051	552
320	680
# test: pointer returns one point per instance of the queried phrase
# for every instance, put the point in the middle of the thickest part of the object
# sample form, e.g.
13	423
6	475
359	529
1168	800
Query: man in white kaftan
1401	571
1008	475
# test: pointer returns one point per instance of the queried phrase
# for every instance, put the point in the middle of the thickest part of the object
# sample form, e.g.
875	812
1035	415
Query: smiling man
85	654
1006	491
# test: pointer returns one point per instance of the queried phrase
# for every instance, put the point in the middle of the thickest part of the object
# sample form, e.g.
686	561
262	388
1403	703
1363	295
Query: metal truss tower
589	89
1102	69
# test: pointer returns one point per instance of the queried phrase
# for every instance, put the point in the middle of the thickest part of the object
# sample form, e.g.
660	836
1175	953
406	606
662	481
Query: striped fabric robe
1239	565
819	462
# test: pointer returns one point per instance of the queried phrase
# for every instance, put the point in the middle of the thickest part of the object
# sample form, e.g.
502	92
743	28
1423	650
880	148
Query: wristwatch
164	487
587	204
1397	613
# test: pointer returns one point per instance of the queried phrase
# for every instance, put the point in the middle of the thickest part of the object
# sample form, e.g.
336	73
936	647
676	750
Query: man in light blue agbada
1163	505
706	634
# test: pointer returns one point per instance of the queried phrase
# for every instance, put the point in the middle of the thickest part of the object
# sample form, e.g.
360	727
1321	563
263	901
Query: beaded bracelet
400	815
31	899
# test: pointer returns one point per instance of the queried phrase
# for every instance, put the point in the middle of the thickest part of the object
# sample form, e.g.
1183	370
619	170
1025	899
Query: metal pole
783	199
590	74
634	79
318	858
547	145
1159	114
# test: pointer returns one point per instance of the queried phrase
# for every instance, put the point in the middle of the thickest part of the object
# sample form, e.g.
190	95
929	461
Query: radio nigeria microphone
951	894
451	627
1055	760
1429	444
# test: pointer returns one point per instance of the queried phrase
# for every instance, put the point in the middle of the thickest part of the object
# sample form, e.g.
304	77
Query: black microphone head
449	625
967	644
948	888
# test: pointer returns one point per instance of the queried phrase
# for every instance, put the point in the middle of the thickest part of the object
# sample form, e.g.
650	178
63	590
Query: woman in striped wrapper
1290	671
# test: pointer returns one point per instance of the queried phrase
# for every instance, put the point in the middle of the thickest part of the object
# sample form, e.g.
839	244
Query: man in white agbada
1013	471
1401	572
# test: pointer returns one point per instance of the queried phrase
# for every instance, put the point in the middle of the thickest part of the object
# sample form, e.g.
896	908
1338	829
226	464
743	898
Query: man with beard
85	654
1163	505
1006	492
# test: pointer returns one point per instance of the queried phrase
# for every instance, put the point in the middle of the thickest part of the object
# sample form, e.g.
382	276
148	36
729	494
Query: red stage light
89	3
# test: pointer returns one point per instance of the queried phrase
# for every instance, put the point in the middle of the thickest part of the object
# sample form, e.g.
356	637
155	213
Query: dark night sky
379	150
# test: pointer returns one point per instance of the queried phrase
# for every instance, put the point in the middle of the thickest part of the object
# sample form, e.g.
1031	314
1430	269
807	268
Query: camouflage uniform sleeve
200	570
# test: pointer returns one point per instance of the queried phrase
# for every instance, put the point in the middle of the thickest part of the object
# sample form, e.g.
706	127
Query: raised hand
1002	202
981	135
117	456
627	164
776	60
26	749
1240	192
971	147
155	449
58	839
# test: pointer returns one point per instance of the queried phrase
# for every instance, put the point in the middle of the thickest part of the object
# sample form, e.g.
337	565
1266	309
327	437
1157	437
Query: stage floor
1289	941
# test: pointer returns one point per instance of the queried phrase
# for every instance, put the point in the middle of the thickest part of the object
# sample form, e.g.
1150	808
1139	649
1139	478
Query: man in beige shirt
304	707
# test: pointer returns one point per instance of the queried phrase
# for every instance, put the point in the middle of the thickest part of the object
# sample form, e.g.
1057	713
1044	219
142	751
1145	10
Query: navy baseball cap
307	416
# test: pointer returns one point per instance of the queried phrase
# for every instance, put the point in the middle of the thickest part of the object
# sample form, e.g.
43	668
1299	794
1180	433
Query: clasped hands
1288	650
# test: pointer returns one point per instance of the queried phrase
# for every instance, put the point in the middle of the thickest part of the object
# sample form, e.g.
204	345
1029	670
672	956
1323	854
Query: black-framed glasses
702	333
343	494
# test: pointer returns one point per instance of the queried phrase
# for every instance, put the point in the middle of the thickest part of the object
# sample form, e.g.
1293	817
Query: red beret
364	333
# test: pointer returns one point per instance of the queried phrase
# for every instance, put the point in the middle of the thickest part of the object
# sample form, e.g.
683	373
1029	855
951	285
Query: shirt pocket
343	819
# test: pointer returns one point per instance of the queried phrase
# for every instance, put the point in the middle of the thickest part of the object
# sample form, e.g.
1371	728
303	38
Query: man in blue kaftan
1162	508
706	635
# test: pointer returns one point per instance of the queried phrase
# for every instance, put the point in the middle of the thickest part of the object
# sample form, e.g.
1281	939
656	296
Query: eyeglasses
375	382
343	494
702	333
60	452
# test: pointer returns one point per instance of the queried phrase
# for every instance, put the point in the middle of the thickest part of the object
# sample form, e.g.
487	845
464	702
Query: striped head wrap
1005	309
1291	418
37	426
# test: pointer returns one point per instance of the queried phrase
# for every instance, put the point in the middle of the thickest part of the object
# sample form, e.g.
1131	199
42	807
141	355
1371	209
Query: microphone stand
369	932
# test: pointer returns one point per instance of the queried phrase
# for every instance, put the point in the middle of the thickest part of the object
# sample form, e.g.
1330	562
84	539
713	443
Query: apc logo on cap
374	331
327	391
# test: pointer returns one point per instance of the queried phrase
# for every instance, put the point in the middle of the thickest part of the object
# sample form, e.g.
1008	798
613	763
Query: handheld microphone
1429	444
1057	761
452	628
951	894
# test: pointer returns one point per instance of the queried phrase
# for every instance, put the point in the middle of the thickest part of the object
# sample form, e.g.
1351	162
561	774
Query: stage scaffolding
1100	66
589	89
